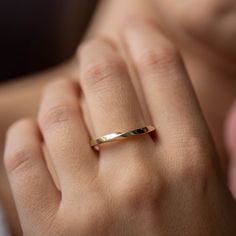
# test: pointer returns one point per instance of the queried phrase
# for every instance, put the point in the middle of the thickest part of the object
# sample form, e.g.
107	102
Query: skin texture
25	96
209	80
25	92
208	27
171	185
205	32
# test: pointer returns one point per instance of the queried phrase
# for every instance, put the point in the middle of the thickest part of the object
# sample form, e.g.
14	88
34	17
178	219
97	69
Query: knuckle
99	74
140	188
20	158
156	61
58	115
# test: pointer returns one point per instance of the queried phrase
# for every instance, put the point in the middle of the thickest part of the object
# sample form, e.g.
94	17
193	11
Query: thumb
230	139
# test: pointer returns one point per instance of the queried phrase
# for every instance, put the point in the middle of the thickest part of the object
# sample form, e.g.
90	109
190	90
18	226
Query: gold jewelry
116	136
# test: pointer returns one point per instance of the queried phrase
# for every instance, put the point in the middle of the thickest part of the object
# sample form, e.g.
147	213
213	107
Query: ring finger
111	99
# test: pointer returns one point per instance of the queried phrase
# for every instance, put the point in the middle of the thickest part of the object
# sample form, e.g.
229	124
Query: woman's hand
205	30
168	184
205	27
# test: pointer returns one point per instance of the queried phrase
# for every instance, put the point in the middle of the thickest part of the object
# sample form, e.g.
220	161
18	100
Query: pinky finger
35	194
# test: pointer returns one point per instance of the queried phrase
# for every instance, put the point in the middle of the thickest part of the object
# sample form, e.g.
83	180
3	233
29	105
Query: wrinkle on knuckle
19	159
157	60
57	115
102	73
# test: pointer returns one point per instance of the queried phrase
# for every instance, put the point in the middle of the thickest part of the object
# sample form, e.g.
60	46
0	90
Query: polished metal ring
117	136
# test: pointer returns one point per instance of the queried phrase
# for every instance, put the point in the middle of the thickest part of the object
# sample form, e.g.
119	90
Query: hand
168	185
205	31
205	27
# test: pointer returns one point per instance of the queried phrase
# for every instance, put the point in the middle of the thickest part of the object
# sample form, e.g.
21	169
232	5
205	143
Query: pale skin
205	31
209	81
170	184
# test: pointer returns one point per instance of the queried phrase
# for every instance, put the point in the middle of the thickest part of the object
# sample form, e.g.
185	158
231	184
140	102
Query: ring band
116	136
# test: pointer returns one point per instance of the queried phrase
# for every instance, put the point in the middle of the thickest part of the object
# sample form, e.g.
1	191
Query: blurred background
38	34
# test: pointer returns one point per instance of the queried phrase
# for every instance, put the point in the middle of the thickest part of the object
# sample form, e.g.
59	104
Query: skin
205	32
127	188
24	95
209	80
200	27
25	92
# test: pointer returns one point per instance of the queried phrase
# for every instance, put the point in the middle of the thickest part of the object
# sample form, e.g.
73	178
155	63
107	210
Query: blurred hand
170	185
206	27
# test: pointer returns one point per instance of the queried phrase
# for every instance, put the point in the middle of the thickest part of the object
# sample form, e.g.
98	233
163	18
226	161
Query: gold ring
116	136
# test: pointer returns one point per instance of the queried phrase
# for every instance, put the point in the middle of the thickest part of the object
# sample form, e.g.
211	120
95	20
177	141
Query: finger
168	91
66	136
108	89
110	95
34	191
197	30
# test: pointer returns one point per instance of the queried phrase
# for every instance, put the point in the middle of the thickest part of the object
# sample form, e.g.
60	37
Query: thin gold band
120	136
